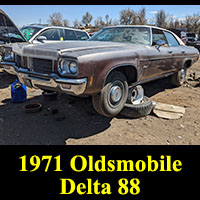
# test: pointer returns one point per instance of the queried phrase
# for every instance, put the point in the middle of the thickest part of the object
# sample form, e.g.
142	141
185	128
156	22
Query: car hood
8	29
69	48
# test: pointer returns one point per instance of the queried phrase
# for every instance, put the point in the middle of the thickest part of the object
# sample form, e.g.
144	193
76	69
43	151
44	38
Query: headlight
64	68
73	67
68	68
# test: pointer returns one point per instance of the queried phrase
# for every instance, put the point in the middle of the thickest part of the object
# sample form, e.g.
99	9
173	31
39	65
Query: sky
27	14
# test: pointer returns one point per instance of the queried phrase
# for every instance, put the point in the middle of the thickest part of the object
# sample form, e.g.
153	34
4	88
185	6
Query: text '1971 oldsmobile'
106	66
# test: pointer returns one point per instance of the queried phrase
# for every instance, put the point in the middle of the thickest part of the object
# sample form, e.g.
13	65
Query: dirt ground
74	121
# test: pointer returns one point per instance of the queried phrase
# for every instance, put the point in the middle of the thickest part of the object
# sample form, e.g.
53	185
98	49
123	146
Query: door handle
170	51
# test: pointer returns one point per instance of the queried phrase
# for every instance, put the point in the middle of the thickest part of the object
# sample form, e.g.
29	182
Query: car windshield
135	35
29	32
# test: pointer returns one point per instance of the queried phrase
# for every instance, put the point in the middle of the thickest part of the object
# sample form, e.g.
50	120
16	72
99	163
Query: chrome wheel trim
115	93
182	74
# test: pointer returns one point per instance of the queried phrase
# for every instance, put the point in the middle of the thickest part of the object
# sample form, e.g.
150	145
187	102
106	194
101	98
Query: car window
158	35
29	32
69	35
171	40
81	35
52	34
135	35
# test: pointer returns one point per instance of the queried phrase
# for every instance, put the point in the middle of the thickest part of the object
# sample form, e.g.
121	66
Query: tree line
191	23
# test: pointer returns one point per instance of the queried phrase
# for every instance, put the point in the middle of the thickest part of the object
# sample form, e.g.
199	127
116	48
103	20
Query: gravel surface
76	122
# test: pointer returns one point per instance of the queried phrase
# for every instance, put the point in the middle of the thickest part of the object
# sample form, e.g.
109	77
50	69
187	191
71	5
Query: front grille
41	65
18	61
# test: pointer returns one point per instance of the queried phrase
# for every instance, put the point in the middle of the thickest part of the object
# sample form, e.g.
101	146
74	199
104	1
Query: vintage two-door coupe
107	65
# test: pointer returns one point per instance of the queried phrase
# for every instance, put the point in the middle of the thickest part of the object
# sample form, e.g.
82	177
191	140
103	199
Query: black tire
96	102
179	77
112	98
140	110
49	95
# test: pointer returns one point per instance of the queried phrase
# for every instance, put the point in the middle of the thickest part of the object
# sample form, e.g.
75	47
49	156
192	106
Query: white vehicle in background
42	33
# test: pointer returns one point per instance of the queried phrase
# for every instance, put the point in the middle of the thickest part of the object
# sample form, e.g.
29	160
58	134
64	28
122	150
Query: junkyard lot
82	125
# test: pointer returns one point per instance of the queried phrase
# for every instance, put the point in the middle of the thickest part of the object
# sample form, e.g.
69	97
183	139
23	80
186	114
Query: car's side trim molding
152	79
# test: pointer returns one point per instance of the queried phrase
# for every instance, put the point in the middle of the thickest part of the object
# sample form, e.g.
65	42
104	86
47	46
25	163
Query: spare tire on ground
139	110
50	95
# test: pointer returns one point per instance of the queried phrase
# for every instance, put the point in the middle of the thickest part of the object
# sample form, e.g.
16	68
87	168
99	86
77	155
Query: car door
159	57
69	35
81	35
177	51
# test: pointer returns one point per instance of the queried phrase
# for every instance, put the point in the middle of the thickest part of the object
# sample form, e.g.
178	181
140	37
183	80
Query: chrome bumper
9	67
52	82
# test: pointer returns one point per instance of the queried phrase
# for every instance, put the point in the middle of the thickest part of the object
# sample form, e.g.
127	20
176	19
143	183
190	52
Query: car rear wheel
179	78
112	98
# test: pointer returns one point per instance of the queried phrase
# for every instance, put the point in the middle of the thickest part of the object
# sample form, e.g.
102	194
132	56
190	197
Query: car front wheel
112	98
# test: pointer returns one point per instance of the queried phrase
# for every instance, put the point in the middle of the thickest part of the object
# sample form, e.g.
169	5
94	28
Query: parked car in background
104	67
34	34
193	40
45	34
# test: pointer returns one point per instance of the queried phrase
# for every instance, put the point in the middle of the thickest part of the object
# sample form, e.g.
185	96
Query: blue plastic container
18	92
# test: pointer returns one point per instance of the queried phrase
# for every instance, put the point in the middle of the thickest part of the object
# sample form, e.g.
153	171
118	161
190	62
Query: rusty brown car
106	66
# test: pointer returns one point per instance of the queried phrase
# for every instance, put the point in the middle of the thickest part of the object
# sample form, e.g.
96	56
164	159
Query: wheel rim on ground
182	75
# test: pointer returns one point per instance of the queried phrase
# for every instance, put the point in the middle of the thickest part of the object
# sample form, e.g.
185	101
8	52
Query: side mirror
41	38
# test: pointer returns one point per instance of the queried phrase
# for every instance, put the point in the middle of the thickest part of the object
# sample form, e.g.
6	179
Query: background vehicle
193	40
45	34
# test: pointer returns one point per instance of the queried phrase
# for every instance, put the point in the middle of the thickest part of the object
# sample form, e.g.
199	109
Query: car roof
35	25
145	26
46	26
